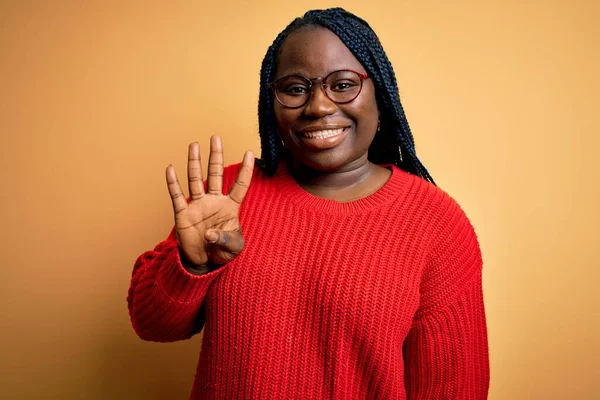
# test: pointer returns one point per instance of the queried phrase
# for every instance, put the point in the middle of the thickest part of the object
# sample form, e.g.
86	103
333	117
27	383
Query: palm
209	213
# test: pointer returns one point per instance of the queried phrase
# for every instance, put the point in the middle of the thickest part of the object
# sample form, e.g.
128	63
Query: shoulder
447	221
448	239
453	254
230	173
429	201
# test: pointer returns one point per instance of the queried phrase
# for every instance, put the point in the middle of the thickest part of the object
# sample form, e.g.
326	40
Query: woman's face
350	127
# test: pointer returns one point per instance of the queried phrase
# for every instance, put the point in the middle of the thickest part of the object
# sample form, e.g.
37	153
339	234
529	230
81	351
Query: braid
269	139
394	143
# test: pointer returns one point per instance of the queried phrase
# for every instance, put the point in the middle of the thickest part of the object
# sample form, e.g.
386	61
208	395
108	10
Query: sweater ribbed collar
390	191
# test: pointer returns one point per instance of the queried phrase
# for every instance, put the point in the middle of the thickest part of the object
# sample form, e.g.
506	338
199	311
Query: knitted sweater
379	298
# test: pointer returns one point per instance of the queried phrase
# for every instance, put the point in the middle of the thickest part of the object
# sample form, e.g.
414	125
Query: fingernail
211	236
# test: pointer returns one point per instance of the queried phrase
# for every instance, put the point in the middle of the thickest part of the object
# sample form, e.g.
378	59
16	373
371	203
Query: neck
321	183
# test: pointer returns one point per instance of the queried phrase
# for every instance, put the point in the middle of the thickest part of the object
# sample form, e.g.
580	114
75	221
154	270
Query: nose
318	104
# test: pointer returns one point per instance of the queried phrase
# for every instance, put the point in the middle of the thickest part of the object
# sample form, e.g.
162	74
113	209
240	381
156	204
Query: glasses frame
361	75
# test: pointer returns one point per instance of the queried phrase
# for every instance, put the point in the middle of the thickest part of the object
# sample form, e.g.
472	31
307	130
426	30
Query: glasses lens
293	91
343	86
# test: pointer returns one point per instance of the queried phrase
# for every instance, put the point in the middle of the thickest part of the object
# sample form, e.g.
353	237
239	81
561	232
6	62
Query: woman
341	271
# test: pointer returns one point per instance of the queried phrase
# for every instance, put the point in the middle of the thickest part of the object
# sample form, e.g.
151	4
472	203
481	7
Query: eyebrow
329	71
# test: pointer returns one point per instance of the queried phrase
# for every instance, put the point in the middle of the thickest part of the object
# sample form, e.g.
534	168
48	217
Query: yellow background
98	97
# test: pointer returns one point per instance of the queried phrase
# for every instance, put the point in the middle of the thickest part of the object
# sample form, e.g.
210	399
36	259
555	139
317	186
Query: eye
295	90
342	86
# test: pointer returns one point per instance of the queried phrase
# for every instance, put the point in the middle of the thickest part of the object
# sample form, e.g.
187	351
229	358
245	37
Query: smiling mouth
323	134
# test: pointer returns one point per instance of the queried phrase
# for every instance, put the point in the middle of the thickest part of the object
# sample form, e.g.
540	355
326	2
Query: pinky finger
177	196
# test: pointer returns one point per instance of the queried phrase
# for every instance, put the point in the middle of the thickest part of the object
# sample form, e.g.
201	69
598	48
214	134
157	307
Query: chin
323	162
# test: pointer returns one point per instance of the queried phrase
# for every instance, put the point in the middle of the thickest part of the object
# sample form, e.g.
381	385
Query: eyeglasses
342	86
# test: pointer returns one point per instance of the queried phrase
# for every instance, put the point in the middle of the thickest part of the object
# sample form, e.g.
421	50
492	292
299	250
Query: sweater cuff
180	284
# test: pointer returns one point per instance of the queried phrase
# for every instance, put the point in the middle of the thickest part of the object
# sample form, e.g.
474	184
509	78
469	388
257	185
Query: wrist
196	269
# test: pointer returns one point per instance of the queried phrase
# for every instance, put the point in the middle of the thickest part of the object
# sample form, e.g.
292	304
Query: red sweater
379	298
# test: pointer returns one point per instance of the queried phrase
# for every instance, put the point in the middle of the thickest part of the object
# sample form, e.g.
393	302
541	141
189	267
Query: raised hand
208	227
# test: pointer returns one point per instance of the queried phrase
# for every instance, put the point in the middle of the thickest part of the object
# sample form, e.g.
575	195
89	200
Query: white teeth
323	134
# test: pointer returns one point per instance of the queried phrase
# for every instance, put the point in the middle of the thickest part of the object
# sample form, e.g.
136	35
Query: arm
165	299
446	351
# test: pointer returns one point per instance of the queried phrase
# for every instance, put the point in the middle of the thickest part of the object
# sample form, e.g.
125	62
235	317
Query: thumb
220	241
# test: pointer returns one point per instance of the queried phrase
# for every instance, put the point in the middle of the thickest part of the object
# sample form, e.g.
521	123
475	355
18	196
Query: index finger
242	183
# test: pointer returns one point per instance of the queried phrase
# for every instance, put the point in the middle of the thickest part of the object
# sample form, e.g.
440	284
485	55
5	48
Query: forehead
314	52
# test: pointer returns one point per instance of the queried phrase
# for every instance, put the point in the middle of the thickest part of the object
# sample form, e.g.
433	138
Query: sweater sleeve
446	350
164	299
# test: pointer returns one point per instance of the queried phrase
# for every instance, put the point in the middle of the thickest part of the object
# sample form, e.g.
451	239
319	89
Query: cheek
367	117
283	117
368	110
373	109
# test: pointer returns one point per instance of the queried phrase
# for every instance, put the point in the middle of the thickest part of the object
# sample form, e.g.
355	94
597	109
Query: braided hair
393	143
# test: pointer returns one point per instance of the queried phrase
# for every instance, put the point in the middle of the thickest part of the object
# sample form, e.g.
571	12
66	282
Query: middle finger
215	166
